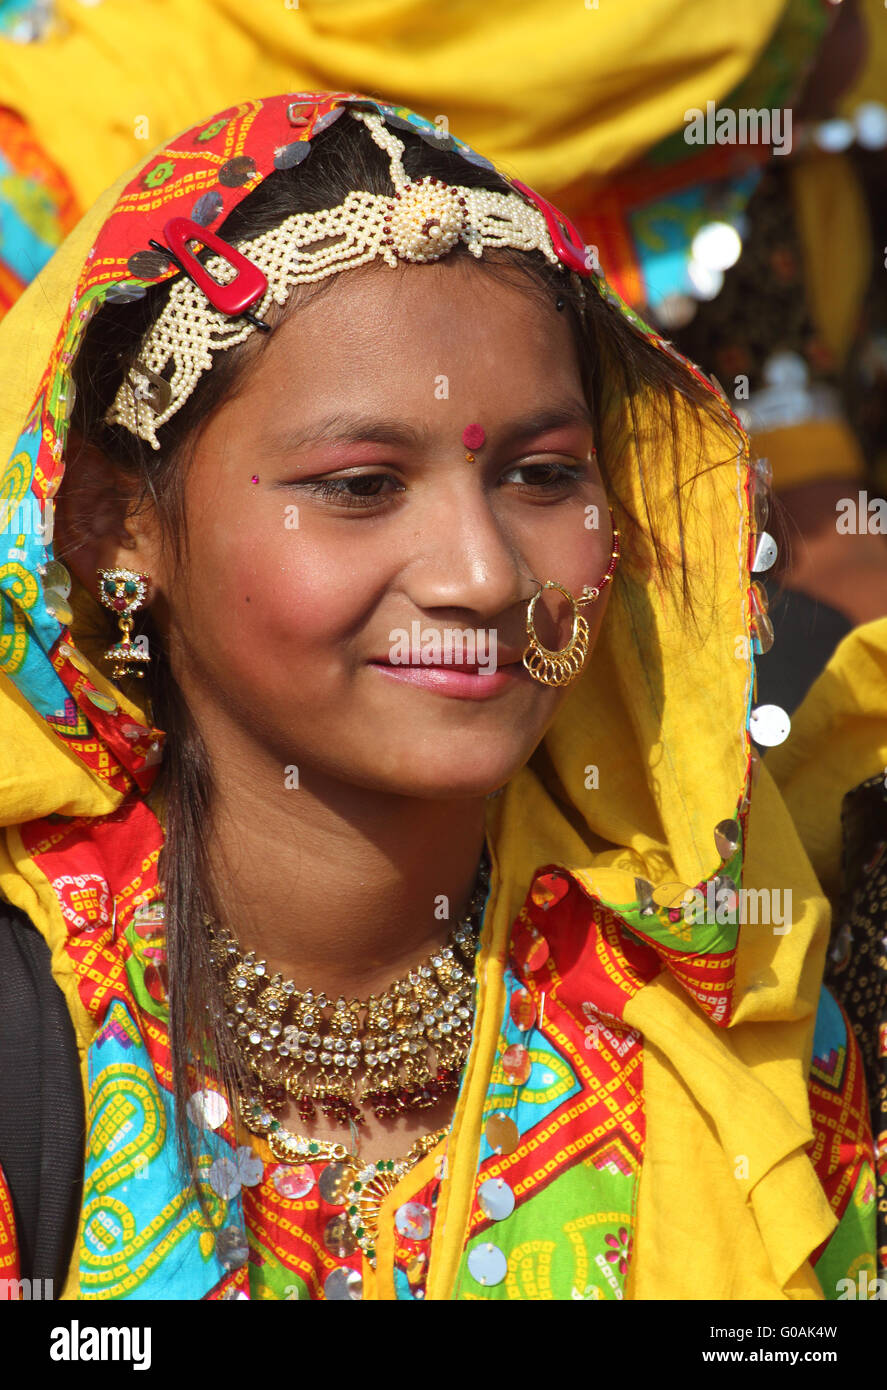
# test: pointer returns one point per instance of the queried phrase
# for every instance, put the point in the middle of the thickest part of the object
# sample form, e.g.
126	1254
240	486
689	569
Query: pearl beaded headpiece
421	221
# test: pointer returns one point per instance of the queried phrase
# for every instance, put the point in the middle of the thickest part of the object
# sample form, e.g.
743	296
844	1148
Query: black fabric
42	1123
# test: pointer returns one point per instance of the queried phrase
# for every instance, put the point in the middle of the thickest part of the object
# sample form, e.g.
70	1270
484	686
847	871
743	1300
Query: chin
448	779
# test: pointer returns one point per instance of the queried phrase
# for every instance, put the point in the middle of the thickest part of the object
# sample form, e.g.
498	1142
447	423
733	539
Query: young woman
400	932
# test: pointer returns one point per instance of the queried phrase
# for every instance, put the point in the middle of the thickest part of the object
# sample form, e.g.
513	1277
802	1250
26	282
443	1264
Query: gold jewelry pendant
123	591
558	667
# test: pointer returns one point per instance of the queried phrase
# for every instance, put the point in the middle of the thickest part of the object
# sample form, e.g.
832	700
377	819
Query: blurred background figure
763	269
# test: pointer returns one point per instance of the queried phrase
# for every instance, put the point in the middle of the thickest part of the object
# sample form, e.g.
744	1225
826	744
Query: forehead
423	334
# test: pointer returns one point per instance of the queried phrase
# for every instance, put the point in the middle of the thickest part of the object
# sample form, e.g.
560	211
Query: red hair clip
565	238
232	299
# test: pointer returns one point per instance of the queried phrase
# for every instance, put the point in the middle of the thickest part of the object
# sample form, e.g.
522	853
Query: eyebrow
344	428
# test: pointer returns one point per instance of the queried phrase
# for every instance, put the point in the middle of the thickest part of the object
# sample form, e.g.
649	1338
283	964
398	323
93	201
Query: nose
466	560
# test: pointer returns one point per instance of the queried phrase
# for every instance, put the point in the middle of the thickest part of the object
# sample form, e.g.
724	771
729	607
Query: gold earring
123	591
559	667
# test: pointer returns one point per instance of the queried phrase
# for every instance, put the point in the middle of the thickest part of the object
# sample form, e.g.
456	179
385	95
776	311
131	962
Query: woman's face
337	531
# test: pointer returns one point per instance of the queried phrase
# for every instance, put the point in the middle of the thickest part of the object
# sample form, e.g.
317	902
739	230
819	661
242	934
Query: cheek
271	597
575	557
572	546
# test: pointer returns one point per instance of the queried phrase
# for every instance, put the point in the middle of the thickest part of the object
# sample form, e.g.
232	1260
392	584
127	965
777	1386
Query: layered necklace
397	1051
401	1050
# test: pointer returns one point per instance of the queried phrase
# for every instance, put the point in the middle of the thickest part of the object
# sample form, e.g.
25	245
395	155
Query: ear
95	523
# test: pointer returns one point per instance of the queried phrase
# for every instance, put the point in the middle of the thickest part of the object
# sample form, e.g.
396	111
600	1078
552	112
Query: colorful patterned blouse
557	1163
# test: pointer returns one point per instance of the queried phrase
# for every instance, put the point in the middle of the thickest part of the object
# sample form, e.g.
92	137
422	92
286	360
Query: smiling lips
458	680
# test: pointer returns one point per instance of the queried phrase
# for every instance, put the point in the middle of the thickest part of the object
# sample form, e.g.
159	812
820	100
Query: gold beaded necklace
351	1054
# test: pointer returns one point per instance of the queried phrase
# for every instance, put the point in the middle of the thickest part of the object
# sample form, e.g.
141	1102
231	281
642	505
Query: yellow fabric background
836	240
835	236
548	89
806	453
839	738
